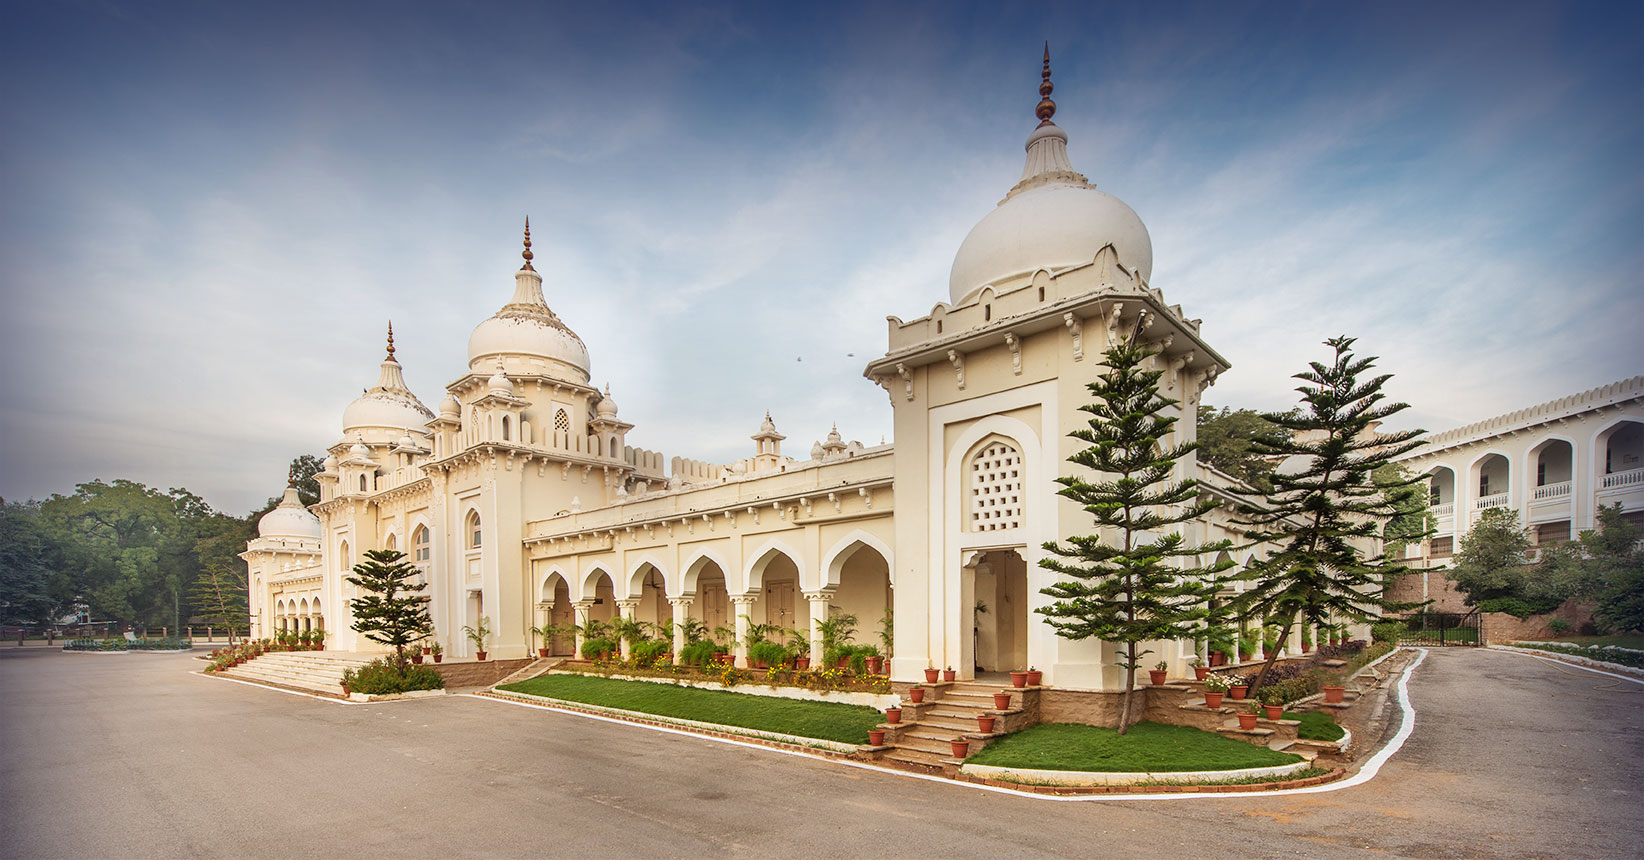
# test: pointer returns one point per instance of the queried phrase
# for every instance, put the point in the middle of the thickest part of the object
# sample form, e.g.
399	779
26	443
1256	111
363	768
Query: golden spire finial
527	252
1046	108
390	341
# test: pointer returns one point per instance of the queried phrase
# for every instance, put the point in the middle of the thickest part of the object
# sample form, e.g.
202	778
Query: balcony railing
1617	480
1497	500
1448	509
1552	491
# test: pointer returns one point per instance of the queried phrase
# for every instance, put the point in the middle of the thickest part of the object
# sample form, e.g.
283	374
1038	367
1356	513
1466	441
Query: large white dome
1052	226
389	404
1052	219
289	520
526	335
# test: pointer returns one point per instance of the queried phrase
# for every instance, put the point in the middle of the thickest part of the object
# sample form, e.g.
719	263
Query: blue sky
212	209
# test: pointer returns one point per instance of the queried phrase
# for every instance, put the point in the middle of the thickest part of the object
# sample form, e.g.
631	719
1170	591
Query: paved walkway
132	756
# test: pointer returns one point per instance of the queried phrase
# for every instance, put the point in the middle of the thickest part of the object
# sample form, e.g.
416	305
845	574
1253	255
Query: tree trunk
1130	690
1271	658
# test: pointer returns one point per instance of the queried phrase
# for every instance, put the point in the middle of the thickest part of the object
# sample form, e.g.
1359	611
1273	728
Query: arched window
562	421
344	562
613	447
362	483
392	543
996	488
475	534
505	428
419	544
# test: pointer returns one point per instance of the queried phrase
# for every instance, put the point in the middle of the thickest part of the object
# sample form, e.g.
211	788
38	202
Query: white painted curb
1614	670
1083	777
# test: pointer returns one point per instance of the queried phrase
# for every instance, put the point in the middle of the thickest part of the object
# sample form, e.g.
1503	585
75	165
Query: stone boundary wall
477	674
1500	627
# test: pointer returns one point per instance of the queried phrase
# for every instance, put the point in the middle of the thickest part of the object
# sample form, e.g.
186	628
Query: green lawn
1152	747
1620	640
831	721
1315	726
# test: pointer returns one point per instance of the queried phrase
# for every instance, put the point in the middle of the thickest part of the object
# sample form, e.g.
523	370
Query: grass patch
1316	726
1619	658
1150	747
830	721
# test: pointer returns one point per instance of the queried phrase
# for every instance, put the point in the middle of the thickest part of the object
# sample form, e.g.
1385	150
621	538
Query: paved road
132	756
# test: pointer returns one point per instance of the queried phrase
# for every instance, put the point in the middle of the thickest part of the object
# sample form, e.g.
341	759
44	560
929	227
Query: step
960	722
1292	747
927	762
1257	732
930	746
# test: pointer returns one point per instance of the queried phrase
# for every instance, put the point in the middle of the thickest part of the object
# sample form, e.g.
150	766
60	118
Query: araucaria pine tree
391	609
1125	586
1320	518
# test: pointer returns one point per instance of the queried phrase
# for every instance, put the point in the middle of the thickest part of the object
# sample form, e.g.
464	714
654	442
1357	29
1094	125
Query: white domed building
524	505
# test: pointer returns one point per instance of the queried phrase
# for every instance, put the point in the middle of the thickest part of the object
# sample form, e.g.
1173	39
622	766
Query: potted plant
949	675
893	714
961	747
438	650
917	694
546	634
1018	678
1156	675
416	653
876	664
1200	670
984	723
1272	703
1034	677
1001	701
876	737
1247	717
1215	687
1334	693
931	672
478	634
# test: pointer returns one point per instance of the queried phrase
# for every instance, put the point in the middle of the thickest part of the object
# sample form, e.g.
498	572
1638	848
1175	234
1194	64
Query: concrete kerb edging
1084	778
1626	673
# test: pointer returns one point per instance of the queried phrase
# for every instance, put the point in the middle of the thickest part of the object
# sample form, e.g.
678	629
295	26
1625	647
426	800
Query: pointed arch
590	580
833	561
636	576
693	570
550	583
753	576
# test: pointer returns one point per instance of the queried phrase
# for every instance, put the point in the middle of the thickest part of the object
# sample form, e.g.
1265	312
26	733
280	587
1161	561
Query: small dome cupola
450	407
499	383
527	335
606	408
289	519
1053	218
389	405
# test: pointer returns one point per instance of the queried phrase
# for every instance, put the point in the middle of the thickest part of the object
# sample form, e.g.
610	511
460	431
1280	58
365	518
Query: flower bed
840	680
113	644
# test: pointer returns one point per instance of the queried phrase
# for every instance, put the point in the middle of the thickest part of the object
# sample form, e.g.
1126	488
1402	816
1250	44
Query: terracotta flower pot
801	662
1018	679
438	657
1156	677
1247	721
950	675
1274	712
1333	695
843	662
930	675
417	659
961	748
1201	672
917	694
1218	658
876	737
893	715
480	655
427	649
1001	701
346	692
1238	691
1306	647
1035	677
1212	700
875	664
984	723
542	652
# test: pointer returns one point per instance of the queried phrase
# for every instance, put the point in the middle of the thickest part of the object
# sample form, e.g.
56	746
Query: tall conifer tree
1326	502
1123	587
391	610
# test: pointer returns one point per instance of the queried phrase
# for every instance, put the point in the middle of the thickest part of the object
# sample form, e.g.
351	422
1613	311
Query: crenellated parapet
1604	396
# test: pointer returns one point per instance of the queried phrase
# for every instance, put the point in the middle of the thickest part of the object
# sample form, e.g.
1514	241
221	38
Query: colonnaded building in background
522	501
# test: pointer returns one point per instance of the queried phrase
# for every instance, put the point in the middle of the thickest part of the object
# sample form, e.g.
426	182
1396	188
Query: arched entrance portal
556	596
999	611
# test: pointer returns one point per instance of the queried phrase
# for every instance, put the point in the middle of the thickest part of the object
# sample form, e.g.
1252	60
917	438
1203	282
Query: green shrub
1519	607
592	648
650	651
379	678
699	653
1560	627
767	652
1387	631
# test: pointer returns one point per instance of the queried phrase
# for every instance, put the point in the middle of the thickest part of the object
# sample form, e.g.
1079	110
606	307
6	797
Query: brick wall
477	674
1499	627
1407	589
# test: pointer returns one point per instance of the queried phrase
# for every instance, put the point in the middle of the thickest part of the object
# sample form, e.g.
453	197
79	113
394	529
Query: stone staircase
922	740
307	671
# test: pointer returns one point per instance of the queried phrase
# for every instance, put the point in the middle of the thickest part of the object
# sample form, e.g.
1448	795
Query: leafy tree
1410	500
220	599
26	595
1605	565
1127	590
1320	511
391	610
1493	558
1226	441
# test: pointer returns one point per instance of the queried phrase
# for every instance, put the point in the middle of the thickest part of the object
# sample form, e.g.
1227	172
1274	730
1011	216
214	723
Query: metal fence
1442	628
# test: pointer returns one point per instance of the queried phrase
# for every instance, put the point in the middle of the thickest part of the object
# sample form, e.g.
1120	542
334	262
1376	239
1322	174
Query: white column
819	612
625	608
682	611
583	607
741	605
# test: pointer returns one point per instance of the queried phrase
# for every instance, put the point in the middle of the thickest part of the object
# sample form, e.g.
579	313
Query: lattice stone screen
996	488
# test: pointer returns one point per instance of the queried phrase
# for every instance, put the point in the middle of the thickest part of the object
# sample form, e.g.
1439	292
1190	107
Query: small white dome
330	464
289	520
388	404
607	407
499	383
358	450
450	407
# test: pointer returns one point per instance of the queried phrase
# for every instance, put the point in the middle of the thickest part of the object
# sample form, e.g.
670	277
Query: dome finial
527	252
291	476
390	341
1046	108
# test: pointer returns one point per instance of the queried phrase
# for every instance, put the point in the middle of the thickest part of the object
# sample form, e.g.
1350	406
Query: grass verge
831	721
1619	658
1147	747
1315	726
1634	641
